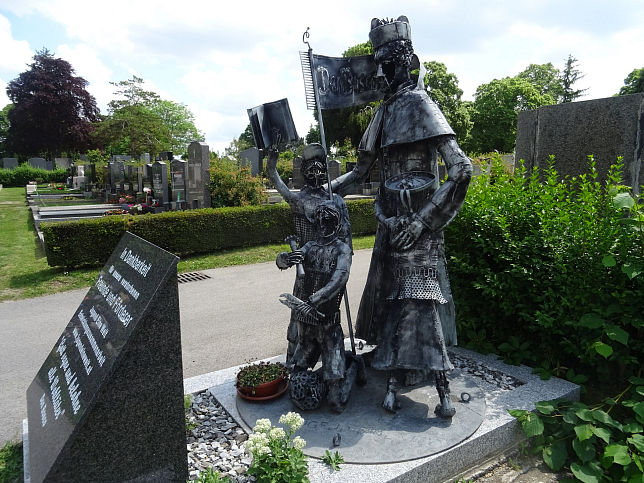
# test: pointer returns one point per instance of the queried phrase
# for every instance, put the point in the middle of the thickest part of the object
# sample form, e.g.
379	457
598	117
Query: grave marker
9	163
198	195
107	404
178	171
160	182
37	163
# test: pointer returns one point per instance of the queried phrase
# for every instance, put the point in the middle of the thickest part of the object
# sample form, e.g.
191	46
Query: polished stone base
497	433
369	434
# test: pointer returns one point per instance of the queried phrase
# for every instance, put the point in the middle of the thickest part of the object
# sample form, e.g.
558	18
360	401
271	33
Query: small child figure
326	261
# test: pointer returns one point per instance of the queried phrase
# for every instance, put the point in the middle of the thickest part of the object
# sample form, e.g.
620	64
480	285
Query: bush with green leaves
603	442
553	262
232	185
23	174
90	242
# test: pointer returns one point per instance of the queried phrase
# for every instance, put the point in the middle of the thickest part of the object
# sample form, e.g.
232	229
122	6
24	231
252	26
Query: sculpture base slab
498	433
370	434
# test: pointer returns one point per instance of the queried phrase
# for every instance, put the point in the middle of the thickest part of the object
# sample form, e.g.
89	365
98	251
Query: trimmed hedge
90	242
24	173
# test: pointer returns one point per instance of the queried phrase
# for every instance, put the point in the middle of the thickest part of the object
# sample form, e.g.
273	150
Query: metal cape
406	117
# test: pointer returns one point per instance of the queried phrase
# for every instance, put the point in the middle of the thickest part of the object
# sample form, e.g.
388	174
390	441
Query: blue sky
220	60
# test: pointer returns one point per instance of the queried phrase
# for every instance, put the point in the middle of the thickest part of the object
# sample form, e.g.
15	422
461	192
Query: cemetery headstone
147	175
251	158
298	177
37	163
90	172
114	176
145	158
107	404
160	183
198	195
49	165
165	156
606	128
63	163
178	170
335	168
139	178
9	163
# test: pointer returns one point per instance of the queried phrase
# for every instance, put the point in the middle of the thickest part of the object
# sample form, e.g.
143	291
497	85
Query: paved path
227	320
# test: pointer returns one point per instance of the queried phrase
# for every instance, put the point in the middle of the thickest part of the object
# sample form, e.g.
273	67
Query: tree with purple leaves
52	111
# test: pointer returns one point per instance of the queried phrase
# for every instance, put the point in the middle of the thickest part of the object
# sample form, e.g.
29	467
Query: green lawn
24	271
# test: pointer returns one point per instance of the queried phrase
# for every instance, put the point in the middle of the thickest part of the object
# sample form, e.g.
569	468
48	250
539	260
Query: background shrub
23	174
90	242
551	263
232	185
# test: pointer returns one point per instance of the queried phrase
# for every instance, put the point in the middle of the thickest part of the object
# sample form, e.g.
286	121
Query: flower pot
263	390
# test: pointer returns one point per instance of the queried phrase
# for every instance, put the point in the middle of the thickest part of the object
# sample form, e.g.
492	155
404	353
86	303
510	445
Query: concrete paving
227	320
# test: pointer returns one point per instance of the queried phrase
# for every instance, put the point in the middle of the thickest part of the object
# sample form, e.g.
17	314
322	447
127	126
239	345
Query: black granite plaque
107	404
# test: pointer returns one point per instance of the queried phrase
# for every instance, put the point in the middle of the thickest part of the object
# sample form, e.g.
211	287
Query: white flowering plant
277	455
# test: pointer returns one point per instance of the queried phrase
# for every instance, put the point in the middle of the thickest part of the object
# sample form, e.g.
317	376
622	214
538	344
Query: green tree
634	83
4	127
247	136
365	48
442	87
495	111
569	76
180	122
546	78
52	111
231	185
139	121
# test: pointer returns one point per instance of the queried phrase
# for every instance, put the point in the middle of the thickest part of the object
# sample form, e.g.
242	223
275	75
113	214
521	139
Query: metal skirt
412	338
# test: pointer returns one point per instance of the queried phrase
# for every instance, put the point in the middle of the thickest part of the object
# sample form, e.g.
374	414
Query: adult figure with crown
407	307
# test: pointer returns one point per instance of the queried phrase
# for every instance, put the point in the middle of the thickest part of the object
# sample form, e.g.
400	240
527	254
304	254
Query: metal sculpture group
406	308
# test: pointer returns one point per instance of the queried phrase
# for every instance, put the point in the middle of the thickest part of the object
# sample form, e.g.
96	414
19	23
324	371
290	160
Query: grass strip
24	272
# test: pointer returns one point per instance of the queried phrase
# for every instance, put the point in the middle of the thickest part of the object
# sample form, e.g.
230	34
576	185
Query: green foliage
139	121
546	78
442	87
233	185
558	260
365	48
277	456
495	111
570	76
11	463
633	83
90	242
24	173
211	476
4	128
597	443
334	460
253	375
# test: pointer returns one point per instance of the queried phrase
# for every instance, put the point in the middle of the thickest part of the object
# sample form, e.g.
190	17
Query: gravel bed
215	440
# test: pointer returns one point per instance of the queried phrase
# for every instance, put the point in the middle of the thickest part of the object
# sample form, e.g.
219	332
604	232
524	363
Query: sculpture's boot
390	403
359	363
336	396
444	409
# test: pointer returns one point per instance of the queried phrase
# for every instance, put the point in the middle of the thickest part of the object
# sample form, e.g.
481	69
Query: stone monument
178	170
9	163
160	183
197	193
37	163
606	128
107	404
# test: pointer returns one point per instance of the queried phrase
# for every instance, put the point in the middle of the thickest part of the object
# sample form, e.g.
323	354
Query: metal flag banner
346	81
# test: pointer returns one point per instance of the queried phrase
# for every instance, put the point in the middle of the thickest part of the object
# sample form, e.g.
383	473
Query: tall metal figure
407	307
303	206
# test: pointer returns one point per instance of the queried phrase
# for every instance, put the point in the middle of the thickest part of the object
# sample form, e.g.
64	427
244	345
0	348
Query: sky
220	58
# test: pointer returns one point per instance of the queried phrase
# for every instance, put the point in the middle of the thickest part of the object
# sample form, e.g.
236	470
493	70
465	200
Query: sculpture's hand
295	257
406	238
306	310
271	162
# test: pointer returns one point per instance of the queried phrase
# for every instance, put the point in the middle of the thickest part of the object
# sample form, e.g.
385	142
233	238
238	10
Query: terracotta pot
263	390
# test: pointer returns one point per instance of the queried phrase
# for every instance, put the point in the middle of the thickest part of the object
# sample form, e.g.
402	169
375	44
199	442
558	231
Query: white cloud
15	53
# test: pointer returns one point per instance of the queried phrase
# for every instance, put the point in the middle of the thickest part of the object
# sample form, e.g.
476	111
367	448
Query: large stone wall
606	128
